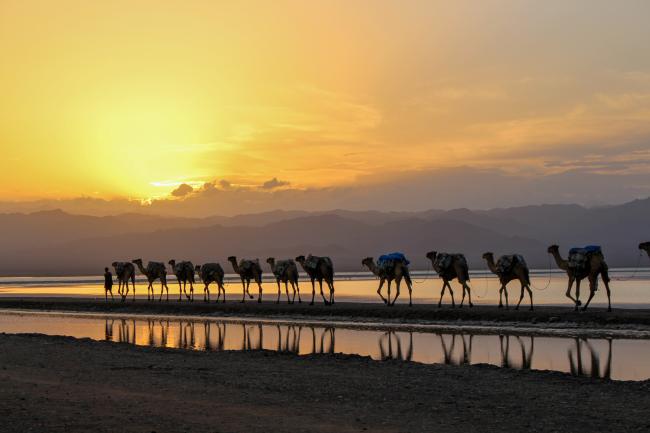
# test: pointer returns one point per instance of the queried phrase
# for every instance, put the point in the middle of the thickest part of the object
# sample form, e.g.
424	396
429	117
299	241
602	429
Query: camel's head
270	261
553	249
367	262
172	262
488	256
114	264
644	246
300	259
197	268
431	255
232	259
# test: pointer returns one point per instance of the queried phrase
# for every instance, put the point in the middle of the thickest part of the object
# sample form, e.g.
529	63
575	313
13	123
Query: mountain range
59	243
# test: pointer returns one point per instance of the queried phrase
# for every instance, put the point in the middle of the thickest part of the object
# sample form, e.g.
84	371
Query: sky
250	105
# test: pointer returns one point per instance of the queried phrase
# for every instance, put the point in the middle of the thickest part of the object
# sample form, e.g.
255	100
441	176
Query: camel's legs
320	284
313	290
296	289
578	281
446	284
259	284
593	281
530	294
568	291
469	294
206	292
279	292
286	289
505	294
397	284
605	276
125	295
248	285
330	284
243	288
463	298
521	296
389	283
408	285
180	291
133	281
381	284
442	293
191	291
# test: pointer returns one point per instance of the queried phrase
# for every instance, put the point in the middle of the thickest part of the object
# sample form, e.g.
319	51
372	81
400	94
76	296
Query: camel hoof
578	303
500	306
439	305
471	305
531	309
311	303
609	310
517	308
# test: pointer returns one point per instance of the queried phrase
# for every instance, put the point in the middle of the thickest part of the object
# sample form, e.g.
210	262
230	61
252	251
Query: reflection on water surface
602	358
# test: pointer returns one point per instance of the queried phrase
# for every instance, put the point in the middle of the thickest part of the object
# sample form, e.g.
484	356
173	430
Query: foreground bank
63	384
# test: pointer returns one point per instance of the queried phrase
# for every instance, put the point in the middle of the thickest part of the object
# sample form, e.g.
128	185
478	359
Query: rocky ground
65	385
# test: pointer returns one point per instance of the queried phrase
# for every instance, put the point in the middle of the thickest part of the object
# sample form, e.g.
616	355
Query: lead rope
636	269
548	283
426	276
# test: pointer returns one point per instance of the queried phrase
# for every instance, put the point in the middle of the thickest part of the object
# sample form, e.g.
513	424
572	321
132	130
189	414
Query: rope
636	269
548	283
426	276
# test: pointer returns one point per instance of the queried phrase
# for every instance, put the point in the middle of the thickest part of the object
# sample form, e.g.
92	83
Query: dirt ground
598	317
61	384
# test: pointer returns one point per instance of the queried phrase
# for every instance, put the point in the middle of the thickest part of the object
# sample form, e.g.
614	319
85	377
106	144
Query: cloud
183	190
274	183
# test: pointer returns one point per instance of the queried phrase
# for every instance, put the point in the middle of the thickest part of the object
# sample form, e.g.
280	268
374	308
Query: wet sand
418	313
61	384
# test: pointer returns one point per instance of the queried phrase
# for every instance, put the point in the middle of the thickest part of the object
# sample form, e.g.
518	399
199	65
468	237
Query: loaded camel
287	272
154	271
508	268
319	268
211	273
124	271
248	270
184	272
596	266
448	267
396	271
645	246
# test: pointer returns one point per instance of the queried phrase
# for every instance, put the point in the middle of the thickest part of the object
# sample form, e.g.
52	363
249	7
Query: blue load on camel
587	249
392	257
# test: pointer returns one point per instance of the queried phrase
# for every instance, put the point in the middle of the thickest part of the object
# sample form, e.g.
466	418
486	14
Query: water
618	359
630	288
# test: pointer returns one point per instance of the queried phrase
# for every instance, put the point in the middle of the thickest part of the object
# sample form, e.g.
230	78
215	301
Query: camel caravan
584	262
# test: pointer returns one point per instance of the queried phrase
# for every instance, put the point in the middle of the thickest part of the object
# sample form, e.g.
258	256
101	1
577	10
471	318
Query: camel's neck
647	250
561	263
142	269
235	266
373	268
491	264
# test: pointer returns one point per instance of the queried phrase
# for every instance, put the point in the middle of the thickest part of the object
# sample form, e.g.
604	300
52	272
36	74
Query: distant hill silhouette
57	243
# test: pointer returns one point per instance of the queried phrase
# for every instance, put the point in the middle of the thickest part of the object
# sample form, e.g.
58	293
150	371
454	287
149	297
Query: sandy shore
421	313
61	384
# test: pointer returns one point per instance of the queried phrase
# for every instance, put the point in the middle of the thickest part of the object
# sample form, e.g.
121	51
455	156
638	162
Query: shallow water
618	359
630	288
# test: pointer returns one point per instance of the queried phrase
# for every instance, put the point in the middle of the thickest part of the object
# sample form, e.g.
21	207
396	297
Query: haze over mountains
58	243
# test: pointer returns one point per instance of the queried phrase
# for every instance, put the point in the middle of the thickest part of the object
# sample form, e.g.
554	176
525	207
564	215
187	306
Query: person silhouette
108	283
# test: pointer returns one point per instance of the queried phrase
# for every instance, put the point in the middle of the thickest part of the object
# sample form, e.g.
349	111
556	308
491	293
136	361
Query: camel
645	246
211	273
287	272
154	271
596	266
184	272
248	270
510	268
457	268
124	271
395	272
319	268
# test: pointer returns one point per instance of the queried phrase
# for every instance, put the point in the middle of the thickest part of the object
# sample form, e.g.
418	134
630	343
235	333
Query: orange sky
133	98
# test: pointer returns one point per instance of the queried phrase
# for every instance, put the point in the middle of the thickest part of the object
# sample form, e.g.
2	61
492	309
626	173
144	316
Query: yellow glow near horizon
129	99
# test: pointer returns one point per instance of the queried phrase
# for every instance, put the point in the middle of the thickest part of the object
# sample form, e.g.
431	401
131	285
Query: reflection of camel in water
108	330
448	351
126	333
526	353
186	335
291	342
386	347
579	366
221	336
331	343
247	342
